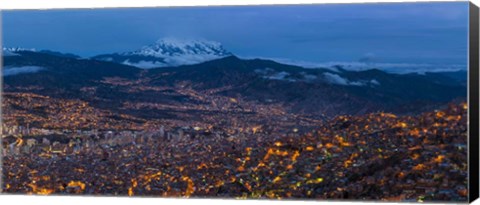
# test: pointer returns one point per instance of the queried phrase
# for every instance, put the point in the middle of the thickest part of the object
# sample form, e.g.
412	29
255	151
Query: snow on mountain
169	52
13	51
177	47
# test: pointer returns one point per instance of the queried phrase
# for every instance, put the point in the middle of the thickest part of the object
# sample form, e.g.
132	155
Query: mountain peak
17	49
13	51
170	52
179	47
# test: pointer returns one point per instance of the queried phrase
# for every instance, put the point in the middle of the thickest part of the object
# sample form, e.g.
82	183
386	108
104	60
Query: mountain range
177	68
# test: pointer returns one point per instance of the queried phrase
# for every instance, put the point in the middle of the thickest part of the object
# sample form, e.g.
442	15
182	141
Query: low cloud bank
9	71
336	79
398	68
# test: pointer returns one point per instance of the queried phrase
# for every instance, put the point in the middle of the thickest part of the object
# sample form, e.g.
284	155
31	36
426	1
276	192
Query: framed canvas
354	102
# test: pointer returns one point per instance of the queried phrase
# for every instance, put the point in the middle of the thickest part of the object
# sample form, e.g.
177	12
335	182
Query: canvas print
303	102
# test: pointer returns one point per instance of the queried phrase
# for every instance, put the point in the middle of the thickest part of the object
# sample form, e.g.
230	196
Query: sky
389	33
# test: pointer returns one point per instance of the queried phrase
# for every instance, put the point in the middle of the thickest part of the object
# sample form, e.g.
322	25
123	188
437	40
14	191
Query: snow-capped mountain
13	51
169	52
16	51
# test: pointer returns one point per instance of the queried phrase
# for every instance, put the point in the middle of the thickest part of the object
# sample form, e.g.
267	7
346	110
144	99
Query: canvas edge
1	101
473	98
473	93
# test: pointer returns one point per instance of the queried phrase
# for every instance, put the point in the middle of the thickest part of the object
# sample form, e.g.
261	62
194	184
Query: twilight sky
410	33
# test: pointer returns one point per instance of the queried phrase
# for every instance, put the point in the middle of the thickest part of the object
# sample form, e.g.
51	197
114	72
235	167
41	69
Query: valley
270	130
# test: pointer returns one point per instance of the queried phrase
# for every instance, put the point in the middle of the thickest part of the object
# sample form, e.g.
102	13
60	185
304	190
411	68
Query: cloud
145	64
308	77
264	71
279	76
336	79
304	64
190	59
374	82
397	68
110	59
272	74
173	61
9	71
